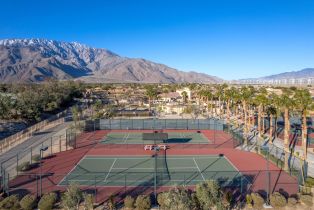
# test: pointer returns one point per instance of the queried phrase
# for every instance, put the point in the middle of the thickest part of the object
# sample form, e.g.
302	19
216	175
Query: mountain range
304	73
35	60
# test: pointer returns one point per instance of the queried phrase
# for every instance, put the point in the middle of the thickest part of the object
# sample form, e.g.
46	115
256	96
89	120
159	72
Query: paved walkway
37	138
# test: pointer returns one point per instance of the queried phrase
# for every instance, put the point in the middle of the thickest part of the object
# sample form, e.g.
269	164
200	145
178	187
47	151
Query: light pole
42	149
267	204
156	150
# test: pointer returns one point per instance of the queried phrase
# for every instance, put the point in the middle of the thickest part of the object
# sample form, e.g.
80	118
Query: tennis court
154	171
137	138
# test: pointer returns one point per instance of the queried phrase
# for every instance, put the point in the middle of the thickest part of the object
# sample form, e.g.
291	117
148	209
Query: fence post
37	185
17	163
124	184
51	146
241	185
31	161
59	143
95	185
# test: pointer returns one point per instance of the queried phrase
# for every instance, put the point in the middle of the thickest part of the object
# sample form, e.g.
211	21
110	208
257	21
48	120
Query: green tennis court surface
151	171
137	138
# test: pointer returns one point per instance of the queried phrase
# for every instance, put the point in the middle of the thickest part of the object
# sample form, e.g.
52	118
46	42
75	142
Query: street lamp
42	149
267	204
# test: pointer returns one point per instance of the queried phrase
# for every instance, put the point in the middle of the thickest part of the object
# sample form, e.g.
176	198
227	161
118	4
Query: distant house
170	97
173	108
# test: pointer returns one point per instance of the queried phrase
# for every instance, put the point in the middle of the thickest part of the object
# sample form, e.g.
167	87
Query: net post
132	124
198	124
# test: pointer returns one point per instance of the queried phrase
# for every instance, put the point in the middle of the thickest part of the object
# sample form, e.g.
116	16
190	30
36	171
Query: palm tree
184	95
236	102
220	94
207	95
287	104
304	103
261	100
272	113
246	95
229	95
151	93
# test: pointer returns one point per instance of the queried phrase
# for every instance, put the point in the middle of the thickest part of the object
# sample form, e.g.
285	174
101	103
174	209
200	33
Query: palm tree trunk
276	127
228	111
259	117
304	135
219	106
211	107
286	137
245	122
263	123
271	128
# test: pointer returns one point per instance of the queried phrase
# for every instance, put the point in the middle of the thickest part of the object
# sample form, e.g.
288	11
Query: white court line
199	169
110	169
135	157
126	138
72	170
172	168
236	169
130	181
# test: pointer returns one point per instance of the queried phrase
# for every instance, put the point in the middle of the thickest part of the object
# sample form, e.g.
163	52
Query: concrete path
36	139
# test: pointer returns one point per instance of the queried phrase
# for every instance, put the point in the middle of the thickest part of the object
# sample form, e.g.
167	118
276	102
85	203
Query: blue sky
231	39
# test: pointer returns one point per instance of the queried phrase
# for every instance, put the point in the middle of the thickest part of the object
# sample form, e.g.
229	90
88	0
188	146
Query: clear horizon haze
226	38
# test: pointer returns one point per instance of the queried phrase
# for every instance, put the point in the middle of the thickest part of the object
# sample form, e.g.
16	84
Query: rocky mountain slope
34	60
304	73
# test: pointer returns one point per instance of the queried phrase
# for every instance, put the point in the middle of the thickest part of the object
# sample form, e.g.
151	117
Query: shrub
71	199
307	200
227	199
258	200
208	193
111	202
23	166
161	199
277	200
36	158
177	198
249	200
129	202
47	201
142	202
10	203
88	201
309	182
292	201
28	202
